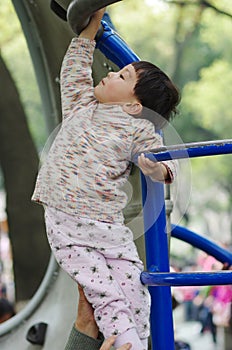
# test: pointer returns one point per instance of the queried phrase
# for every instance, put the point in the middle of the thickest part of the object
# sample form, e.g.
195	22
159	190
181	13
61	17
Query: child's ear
132	108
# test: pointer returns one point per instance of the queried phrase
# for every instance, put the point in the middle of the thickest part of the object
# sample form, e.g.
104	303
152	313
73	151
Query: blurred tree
19	162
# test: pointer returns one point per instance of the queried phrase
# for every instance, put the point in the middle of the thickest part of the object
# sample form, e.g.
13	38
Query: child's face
117	87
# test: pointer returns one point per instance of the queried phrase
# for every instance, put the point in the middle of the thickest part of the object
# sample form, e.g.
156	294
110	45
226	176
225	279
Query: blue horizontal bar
196	278
202	243
211	150
186	279
191	152
191	145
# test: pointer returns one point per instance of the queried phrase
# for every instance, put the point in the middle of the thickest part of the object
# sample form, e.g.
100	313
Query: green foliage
147	29
217	34
9	25
209	98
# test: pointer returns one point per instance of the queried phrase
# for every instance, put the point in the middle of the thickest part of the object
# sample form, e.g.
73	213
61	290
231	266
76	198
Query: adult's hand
85	322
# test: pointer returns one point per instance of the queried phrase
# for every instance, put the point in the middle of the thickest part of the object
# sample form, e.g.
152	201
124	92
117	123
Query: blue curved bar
202	243
114	47
187	279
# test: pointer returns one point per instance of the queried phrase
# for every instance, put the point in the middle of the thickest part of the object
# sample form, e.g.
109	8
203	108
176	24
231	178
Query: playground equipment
157	275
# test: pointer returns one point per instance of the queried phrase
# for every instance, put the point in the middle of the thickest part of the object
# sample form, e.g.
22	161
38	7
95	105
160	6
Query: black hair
155	90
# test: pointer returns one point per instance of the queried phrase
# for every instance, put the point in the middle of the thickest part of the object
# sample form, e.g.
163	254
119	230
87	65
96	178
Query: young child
80	182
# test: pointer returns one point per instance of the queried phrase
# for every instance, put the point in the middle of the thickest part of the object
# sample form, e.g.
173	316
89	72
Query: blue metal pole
196	278
202	243
187	278
157	259
206	150
114	47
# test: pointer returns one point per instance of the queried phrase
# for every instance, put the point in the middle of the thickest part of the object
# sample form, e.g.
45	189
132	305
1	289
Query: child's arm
144	139
76	71
156	171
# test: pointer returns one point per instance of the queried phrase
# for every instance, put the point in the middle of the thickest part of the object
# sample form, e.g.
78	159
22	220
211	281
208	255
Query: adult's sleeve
80	341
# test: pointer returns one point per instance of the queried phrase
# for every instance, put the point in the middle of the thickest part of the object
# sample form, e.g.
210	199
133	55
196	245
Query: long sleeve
80	341
145	138
76	75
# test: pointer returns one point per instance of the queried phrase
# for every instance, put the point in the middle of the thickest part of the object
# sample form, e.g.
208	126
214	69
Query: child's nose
111	74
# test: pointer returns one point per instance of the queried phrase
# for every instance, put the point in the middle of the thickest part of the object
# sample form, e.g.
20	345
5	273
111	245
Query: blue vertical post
157	259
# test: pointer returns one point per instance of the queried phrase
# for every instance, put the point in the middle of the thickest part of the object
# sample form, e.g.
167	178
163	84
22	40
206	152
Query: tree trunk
19	162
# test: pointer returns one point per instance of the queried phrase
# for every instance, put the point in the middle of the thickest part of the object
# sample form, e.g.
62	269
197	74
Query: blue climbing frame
158	276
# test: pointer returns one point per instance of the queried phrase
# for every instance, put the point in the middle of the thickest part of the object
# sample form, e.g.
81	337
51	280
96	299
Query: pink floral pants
103	259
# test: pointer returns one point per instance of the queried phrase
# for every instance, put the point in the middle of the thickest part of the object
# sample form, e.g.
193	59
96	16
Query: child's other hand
91	30
156	171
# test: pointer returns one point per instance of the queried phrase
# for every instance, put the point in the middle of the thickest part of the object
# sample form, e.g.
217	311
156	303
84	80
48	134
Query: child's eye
121	76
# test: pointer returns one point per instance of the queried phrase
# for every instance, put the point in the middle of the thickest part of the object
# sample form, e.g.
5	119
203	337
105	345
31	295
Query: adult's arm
81	341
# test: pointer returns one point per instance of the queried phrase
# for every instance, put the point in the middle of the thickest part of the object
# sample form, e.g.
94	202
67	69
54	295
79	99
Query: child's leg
145	343
127	273
89	268
130	336
111	307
